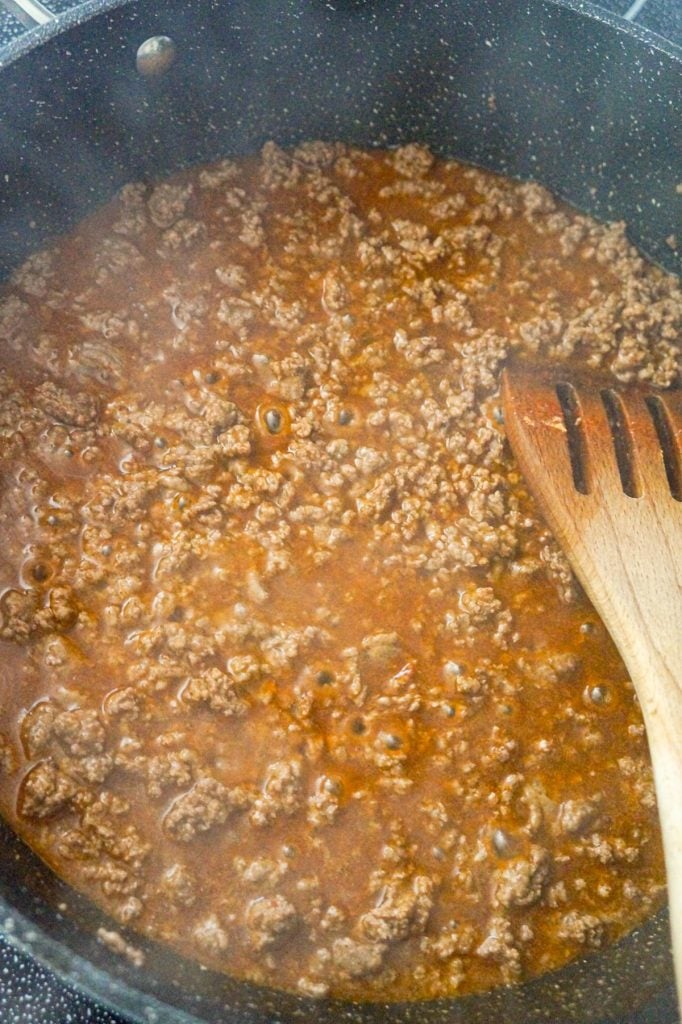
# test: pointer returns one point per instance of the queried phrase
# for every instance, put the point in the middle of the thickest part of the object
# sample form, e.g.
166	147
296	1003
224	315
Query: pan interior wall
541	92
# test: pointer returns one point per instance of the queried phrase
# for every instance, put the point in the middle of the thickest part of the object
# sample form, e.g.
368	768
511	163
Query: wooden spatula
605	465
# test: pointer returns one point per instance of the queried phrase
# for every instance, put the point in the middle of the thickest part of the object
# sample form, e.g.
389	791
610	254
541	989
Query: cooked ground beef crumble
294	677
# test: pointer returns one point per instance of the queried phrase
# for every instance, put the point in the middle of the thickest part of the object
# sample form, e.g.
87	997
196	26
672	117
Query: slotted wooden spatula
605	465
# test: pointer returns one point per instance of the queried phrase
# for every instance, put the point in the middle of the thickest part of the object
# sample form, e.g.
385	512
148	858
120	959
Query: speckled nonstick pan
556	91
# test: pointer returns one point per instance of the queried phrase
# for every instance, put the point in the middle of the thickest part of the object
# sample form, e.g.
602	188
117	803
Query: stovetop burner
30	994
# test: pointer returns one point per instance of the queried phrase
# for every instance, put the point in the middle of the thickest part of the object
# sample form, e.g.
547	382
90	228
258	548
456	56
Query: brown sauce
295	679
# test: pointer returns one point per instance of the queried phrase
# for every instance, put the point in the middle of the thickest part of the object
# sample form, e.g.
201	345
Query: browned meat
294	677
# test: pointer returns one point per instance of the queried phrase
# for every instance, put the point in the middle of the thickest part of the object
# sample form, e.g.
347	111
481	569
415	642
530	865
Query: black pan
581	103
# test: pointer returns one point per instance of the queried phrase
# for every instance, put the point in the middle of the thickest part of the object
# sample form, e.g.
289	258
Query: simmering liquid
295	678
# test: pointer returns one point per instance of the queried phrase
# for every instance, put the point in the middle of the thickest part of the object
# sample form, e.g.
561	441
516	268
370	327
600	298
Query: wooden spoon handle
640	600
624	540
664	731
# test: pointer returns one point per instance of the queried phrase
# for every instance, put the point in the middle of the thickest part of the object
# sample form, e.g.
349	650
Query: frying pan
555	90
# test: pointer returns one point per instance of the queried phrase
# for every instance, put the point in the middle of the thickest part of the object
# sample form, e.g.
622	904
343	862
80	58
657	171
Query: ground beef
294	676
500	945
204	806
262	869
357	959
175	768
8	757
124	702
167	203
77	409
179	885
17	615
37	727
585	929
402	910
217	690
521	882
210	936
45	791
575	816
324	803
269	919
80	732
281	792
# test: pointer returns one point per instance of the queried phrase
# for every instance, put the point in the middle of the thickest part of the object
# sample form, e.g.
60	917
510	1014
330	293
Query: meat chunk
261	870
324	803
172	768
37	727
355	959
217	690
210	936
184	234
115	942
179	885
124	702
413	160
243	668
132	218
369	460
501	946
377	499
34	276
576	816
220	413
8	756
418	352
520	883
381	647
61	610
115	256
18	615
269	919
235	442
403	909
585	929
203	807
45	791
281	792
556	668
167	203
74	408
80	732
560	572
479	605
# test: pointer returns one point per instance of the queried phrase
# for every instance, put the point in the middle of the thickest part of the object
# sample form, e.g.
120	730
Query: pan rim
89	9
21	931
